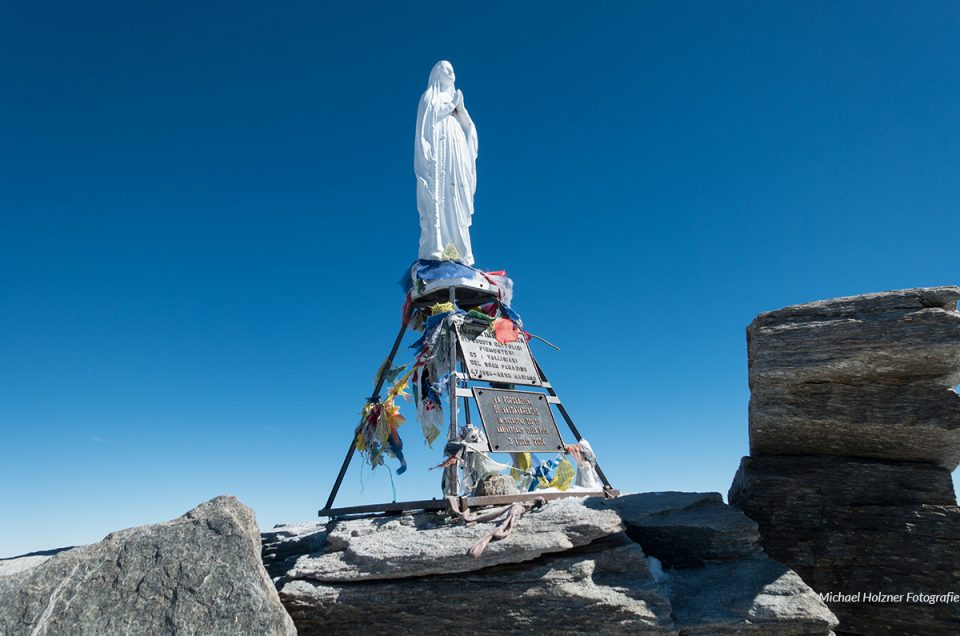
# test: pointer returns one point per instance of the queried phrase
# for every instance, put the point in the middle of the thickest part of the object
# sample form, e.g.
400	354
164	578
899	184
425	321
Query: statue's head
442	74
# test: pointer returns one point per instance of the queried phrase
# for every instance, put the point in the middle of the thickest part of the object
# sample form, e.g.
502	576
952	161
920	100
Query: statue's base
468	293
431	282
459	505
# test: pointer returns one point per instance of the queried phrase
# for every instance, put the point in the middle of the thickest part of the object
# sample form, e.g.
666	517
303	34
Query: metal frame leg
567	418
453	472
373	398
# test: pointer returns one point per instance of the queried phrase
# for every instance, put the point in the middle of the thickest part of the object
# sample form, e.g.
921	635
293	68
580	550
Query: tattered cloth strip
432	367
505	330
511	314
587	476
377	432
442	308
503	285
552	473
508	518
478	466
480	316
562	479
390	374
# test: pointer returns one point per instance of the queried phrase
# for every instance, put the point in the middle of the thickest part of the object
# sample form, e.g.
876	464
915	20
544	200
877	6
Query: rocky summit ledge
655	563
427	544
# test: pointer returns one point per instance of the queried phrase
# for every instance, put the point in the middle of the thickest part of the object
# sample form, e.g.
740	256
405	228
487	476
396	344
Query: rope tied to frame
508	518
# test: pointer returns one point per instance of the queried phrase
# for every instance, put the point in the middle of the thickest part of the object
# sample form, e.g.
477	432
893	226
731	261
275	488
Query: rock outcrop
580	566
198	574
865	376
854	430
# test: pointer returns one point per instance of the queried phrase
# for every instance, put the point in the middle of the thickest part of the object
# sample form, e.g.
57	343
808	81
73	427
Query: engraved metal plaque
517	421
494	361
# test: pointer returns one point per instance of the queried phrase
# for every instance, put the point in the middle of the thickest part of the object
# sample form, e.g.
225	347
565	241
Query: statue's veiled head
442	75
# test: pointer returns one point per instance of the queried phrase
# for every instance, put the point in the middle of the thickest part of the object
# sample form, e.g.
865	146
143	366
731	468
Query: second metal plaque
492	361
517	421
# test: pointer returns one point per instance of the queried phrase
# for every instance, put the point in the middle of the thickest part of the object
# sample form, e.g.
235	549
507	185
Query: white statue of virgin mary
445	157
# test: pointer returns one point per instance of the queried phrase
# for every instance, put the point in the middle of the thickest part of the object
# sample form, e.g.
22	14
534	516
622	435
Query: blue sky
204	211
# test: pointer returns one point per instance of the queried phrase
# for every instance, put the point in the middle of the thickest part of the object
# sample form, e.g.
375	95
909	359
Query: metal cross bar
457	504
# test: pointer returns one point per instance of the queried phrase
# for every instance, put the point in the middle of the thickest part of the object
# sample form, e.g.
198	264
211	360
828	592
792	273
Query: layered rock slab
854	429
896	337
283	545
864	376
686	529
766	487
198	574
582	574
429	544
853	526
607	587
905	423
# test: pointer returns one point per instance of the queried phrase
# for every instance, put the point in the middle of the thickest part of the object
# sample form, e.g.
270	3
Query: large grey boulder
569	566
497	485
198	574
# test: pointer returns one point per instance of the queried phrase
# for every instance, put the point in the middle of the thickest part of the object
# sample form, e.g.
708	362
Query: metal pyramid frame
452	500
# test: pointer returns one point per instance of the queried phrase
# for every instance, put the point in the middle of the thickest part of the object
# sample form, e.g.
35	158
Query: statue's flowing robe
445	157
